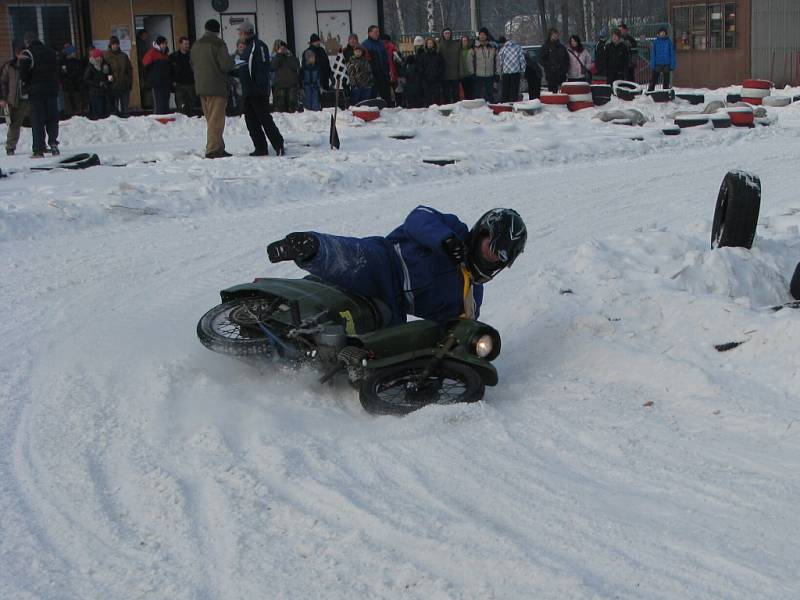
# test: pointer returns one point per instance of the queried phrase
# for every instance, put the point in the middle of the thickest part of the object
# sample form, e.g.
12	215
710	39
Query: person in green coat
121	77
467	67
450	50
212	65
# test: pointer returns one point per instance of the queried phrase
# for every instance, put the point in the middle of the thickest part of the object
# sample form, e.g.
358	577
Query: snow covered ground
621	456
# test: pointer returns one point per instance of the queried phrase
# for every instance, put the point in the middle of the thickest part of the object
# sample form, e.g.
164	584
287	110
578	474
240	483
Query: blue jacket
662	53
378	58
408	269
254	74
433	287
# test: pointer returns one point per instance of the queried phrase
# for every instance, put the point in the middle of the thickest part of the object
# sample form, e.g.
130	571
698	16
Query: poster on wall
334	27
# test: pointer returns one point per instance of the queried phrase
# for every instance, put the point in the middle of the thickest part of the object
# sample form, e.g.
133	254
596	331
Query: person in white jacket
580	61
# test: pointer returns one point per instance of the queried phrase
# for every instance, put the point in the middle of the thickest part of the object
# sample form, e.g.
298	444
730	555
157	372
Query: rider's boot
299	246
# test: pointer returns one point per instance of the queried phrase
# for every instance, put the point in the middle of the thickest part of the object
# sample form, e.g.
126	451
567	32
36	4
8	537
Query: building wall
270	20
326	17
713	68
775	53
105	15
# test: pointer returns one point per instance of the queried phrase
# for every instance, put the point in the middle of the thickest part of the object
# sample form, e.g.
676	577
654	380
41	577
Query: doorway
230	27
155	25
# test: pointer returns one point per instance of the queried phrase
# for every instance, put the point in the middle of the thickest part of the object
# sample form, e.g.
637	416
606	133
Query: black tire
79	161
224	328
794	287
736	213
376	397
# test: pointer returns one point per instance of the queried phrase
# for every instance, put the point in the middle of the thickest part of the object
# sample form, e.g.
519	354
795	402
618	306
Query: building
722	43
87	23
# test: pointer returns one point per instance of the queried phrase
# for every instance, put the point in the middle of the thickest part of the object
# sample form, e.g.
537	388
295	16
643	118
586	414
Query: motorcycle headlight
484	345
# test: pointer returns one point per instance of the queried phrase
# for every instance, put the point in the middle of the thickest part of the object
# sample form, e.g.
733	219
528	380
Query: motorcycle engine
330	341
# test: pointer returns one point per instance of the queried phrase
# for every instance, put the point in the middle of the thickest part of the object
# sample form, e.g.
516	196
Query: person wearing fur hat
159	77
98	79
122	77
321	60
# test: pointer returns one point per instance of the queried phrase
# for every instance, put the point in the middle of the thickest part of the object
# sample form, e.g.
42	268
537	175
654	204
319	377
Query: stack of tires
554	99
755	90
579	94
741	116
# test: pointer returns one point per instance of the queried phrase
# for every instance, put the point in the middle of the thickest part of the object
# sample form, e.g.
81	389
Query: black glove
455	249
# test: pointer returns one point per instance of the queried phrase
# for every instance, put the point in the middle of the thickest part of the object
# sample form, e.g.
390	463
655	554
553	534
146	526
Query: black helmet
507	235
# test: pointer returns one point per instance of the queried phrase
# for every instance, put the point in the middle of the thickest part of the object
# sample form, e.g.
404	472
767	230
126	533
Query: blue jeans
367	266
44	118
484	88
311	97
360	94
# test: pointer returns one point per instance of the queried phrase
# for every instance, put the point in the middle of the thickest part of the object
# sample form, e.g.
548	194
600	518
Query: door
230	27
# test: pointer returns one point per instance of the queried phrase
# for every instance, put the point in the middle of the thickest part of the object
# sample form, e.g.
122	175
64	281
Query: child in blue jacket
662	59
432	266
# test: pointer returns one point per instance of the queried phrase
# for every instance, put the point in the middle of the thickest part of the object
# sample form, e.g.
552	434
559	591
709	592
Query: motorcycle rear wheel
399	390
231	328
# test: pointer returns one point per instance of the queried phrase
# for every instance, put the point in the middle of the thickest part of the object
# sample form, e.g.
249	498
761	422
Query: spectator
555	61
393	56
662	59
235	82
311	74
580	61
483	59
533	75
157	71
13	100
122	77
38	69
451	57
511	62
212	63
467	67
97	78
360	75
617	58
183	77
321	60
432	65
412	72
633	51
378	62
352	42
600	60
254	76
143	44
72	69
286	69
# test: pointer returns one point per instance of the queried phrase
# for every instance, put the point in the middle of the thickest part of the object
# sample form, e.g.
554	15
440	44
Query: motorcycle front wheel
234	327
404	388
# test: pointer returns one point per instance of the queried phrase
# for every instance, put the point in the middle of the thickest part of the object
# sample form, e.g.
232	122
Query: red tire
561	99
575	87
741	117
759	84
501	108
576	106
753	101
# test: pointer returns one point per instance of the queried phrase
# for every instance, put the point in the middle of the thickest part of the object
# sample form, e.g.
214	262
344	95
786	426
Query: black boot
794	288
299	246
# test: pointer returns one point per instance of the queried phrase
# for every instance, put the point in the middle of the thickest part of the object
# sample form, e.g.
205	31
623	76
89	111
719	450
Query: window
681	23
715	26
51	22
699	27
730	25
704	26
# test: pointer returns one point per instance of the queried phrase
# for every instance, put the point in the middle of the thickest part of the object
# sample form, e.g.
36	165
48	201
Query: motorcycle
397	369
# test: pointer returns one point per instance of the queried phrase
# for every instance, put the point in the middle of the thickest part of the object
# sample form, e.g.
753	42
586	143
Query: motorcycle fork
438	356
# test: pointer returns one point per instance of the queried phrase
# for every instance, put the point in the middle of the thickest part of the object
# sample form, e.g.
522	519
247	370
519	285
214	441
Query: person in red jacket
391	51
158	74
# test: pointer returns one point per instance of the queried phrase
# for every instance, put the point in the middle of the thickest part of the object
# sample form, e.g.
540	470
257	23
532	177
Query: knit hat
314	38
419	41
603	33
96	53
662	28
212	25
69	50
113	40
246	27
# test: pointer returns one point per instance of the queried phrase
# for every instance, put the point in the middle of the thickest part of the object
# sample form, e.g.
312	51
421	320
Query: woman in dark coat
555	60
617	59
432	66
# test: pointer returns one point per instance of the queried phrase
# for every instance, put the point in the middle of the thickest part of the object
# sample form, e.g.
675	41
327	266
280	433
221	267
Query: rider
432	266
